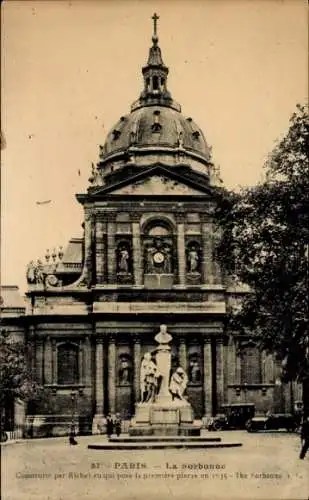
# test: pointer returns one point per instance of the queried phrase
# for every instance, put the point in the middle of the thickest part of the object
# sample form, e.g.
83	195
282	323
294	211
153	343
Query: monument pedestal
99	424
174	418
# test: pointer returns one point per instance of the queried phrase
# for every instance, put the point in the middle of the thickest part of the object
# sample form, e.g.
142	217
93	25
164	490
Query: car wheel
217	426
249	427
4	437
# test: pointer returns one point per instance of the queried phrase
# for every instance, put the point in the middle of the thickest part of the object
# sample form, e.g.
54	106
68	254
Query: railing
17	433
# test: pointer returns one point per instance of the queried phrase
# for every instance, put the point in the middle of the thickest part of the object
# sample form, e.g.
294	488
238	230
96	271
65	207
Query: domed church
147	258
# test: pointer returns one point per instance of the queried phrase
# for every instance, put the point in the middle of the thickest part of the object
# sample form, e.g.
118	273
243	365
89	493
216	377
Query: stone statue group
150	381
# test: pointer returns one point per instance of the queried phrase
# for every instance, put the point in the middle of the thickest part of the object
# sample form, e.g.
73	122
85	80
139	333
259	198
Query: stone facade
148	256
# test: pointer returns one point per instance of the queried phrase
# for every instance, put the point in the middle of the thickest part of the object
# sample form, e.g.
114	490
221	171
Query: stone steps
155	439
134	445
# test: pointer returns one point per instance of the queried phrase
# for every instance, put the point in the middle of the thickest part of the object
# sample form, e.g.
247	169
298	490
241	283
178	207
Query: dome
155	125
155	129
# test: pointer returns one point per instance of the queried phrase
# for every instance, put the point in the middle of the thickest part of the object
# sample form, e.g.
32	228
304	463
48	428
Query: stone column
112	373
87	361
31	349
81	364
86	276
99	377
237	362
231	361
99	257
217	272
181	252
220	371
137	253
98	423
39	360
207	355
207	241
183	354
111	250
54	362
137	367
48	362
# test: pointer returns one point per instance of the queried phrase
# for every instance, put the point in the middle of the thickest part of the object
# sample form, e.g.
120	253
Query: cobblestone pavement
265	467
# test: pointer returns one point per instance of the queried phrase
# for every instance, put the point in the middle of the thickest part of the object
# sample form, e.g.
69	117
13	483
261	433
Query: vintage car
272	421
233	416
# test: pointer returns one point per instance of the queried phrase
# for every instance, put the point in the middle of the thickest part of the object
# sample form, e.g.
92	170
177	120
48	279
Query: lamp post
73	422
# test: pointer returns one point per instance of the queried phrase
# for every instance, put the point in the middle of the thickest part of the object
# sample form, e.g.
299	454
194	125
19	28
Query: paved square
265	467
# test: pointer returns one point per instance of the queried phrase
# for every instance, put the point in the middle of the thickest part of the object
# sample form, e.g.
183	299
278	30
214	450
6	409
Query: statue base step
99	424
158	419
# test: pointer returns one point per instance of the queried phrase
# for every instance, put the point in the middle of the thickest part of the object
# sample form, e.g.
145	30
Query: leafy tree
16	381
265	245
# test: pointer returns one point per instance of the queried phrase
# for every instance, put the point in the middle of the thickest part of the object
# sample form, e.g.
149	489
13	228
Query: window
250	366
67	361
155	83
158	231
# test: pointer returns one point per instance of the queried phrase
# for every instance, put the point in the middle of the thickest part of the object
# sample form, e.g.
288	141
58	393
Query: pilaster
267	368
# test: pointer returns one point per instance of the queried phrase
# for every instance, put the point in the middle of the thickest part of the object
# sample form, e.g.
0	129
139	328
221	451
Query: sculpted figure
149	379
193	260
123	262
168	259
195	372
149	259
125	370
178	384
163	337
30	274
38	272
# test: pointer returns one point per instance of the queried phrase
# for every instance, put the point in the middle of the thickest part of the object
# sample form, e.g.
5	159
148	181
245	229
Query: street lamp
73	422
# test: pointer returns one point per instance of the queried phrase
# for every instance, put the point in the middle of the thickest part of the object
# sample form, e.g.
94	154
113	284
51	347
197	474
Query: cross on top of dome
155	18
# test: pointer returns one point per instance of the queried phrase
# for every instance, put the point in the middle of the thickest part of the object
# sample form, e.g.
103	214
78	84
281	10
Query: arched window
67	364
158	242
158	230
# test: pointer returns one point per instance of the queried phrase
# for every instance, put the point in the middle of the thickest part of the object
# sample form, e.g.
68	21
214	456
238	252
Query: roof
156	126
11	298
73	252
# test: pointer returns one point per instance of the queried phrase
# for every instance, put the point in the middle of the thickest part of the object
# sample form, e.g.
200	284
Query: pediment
157	185
157	181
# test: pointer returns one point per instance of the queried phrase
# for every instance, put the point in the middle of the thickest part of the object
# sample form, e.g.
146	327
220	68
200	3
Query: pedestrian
118	424
304	436
109	425
72	439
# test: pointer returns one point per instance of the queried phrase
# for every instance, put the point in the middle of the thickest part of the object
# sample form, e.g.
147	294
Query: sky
70	69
